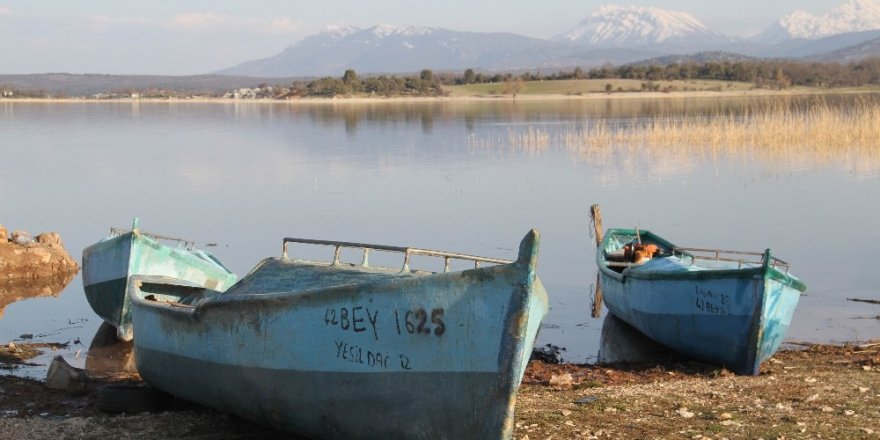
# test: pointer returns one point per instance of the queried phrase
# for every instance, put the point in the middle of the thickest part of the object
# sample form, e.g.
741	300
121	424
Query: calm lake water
449	176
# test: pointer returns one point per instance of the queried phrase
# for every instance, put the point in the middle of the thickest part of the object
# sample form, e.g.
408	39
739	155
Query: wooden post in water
596	216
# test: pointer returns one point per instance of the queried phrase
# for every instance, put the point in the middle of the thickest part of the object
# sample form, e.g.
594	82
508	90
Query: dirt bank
819	392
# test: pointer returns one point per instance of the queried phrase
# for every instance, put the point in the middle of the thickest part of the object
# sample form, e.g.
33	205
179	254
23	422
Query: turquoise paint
105	300
719	312
108	264
365	353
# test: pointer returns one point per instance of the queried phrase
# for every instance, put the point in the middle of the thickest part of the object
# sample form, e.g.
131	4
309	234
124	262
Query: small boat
108	264
328	349
725	307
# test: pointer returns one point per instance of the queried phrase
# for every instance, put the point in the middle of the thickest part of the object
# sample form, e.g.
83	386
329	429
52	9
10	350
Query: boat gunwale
287	296
757	272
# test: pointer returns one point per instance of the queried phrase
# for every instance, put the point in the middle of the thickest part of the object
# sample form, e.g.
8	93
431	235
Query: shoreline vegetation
684	76
779	134
578	90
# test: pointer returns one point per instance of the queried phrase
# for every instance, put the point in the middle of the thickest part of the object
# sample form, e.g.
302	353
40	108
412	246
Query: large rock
63	376
20	236
49	238
24	259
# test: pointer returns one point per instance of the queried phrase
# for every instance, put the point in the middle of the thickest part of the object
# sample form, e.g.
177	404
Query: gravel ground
817	392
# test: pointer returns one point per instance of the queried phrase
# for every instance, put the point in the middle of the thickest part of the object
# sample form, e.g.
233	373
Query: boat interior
625	250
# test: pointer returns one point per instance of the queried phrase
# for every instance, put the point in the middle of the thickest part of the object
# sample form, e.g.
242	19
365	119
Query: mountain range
633	26
611	34
852	16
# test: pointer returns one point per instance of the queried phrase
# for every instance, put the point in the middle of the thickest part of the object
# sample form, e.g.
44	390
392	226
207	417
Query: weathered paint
108	264
344	351
732	314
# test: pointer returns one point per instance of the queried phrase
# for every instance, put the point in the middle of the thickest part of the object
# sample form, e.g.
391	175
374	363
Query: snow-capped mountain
852	16
400	49
637	26
611	34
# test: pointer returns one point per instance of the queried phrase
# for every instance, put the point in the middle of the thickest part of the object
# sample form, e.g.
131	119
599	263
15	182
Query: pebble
868	431
811	398
827	409
863	389
810	380
565	412
683	412
725	416
849	412
561	380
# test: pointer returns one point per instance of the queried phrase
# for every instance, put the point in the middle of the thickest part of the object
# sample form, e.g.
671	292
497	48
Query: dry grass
814	133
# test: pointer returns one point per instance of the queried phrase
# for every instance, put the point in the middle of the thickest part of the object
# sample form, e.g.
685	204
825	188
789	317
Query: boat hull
434	357
736	318
108	264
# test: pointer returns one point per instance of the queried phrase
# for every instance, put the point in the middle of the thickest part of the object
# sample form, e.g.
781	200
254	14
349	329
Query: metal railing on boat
729	256
186	244
407	251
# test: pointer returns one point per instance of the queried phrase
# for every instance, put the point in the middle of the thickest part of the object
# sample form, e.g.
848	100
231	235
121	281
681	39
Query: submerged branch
869	301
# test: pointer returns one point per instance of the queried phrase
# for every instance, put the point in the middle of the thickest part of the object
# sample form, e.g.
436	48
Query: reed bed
805	135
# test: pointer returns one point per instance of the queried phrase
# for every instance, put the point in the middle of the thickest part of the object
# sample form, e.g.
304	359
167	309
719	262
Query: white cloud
4	10
102	23
200	21
209	21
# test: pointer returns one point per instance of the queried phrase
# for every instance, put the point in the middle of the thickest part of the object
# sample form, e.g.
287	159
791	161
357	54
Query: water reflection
427	113
407	174
14	291
780	134
108	357
619	342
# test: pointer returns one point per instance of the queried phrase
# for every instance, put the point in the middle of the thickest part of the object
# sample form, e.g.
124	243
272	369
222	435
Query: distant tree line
425	84
770	74
762	73
779	74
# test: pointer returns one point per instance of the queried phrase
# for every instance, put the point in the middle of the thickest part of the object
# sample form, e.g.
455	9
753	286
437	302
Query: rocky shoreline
816	391
24	259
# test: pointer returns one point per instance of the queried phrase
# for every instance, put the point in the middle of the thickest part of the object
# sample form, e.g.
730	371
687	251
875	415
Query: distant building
7	93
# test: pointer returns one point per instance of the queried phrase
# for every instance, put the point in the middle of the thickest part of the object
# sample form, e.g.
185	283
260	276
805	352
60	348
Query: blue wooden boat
328	349
725	307
108	264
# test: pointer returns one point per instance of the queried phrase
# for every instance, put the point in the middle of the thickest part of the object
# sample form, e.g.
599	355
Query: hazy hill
798	48
697	58
89	84
407	49
858	52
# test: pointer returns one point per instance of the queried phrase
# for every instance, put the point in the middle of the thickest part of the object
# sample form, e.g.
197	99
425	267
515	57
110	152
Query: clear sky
186	37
